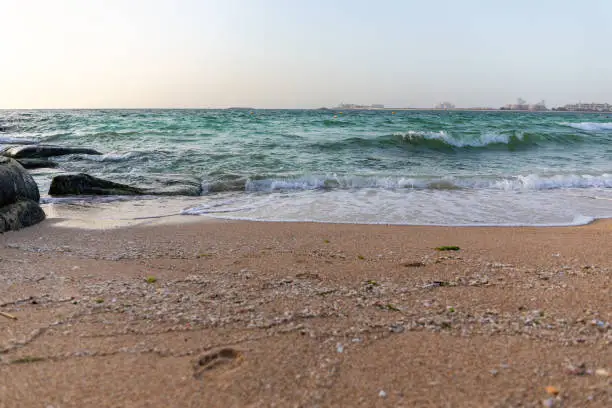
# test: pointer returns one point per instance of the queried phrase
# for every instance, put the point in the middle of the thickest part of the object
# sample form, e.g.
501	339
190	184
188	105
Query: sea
373	166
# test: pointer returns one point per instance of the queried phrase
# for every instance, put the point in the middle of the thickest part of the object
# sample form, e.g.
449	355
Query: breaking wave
590	126
529	182
444	140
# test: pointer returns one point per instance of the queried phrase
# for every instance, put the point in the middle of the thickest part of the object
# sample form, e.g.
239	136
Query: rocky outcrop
15	183
84	184
37	163
20	214
43	151
18	197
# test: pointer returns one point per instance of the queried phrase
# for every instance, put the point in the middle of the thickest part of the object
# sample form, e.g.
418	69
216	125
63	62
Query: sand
233	314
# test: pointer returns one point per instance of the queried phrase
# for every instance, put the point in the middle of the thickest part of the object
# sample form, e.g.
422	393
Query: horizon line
477	109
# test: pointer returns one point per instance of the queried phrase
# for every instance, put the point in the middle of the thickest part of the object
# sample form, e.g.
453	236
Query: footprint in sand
215	359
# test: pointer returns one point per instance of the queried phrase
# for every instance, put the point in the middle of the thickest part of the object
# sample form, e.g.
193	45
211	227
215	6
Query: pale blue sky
272	53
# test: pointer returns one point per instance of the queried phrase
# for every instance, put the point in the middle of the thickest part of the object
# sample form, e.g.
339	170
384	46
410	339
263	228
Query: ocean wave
336	123
536	182
118	157
54	137
444	138
106	133
590	126
511	183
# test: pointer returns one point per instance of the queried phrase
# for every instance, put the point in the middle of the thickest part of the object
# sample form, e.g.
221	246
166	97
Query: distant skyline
302	54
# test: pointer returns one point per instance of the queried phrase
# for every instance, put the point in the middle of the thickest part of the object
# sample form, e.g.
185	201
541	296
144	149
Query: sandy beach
233	314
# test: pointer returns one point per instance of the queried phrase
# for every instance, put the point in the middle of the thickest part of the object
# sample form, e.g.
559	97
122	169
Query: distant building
522	105
444	105
538	107
481	108
586	107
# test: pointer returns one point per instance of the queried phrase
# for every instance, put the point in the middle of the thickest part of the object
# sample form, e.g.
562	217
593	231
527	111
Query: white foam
578	220
536	182
114	157
510	183
590	126
13	140
332	182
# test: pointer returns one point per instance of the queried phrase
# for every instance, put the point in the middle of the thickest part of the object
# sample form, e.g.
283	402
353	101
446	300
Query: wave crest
590	126
444	138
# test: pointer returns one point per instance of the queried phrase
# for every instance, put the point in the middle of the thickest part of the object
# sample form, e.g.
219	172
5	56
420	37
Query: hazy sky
306	53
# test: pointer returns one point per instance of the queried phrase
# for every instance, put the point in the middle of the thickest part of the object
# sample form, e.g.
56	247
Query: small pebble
396	328
552	390
382	394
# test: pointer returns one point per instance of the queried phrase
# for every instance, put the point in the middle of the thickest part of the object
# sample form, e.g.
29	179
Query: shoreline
235	313
124	211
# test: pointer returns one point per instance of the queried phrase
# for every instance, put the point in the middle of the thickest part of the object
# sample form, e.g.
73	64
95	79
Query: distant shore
461	110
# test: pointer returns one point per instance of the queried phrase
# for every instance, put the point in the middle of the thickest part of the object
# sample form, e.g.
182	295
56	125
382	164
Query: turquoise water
411	167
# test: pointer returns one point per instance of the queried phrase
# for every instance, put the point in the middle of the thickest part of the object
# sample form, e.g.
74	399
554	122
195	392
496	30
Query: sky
302	53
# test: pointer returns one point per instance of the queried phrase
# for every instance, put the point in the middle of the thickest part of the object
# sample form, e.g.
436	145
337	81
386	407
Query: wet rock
42	151
20	214
37	163
84	184
16	183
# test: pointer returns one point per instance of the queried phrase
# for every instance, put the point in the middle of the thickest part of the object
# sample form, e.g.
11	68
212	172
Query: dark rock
18	197
15	183
43	151
20	214
37	163
84	184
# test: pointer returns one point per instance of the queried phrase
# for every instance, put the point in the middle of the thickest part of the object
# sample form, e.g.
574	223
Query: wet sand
222	314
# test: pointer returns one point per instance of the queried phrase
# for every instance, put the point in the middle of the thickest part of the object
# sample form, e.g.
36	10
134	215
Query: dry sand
222	314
